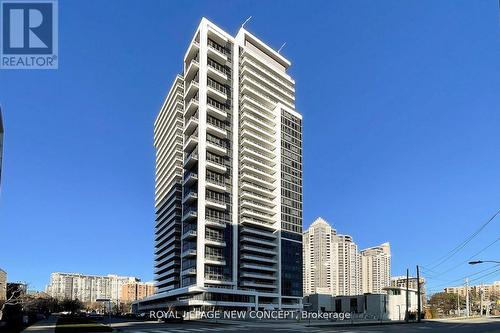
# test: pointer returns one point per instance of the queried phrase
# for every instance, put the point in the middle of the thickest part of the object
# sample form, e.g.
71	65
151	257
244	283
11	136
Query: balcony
262	208
258	241
191	159
216	91
260	190
258	250
216	147
247	150
217	129
191	124
189	197
254	118
258	172
216	185
217	52
216	109
189	271
190	215
260	131
217	261
267	268
262	199
192	89
215	222
216	242
254	275
258	259
188	253
193	50
190	178
252	221
191	107
258	139
189	234
191	142
216	166
216	204
217	71
257	232
255	179
256	284
191	70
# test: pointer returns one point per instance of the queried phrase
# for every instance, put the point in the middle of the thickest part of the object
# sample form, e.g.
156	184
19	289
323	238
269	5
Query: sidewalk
43	326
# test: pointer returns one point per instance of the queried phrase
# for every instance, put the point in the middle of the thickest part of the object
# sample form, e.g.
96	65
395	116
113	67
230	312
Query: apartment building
134	291
3	285
87	288
376	268
332	263
488	290
400	281
348	265
228	142
319	269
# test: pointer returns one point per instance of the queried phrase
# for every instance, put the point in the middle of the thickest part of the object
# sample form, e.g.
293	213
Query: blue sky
401	128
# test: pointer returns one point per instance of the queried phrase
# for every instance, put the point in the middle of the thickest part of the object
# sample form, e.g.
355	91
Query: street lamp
483	261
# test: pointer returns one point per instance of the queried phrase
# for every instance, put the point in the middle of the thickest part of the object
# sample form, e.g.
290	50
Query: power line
460	246
485	275
471	257
467	276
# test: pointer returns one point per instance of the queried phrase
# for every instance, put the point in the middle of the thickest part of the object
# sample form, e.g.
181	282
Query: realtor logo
29	35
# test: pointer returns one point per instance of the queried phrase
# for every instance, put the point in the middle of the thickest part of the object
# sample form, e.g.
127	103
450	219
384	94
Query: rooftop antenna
282	46
248	19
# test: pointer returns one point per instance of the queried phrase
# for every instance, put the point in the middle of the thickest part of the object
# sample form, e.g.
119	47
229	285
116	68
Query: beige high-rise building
332	264
3	285
318	265
348	265
87	288
376	268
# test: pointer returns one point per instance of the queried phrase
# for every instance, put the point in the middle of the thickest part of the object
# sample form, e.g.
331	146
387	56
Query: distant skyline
401	111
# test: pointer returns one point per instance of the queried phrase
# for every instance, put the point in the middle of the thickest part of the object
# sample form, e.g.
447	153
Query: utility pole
407	314
481	300
419	300
467	297
458	304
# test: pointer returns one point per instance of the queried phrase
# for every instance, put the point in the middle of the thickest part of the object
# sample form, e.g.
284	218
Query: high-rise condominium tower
331	261
319	269
376	268
348	259
228	145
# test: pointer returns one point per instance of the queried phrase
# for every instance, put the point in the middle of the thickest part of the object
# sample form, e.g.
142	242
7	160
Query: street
455	326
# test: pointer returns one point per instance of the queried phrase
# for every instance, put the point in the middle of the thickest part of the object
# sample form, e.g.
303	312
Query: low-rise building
400	281
388	306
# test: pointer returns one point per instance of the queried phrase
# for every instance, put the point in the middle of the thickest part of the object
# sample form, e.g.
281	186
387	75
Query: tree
71	305
442	303
15	299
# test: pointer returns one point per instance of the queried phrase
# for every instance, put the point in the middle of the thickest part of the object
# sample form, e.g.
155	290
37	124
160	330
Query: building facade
87	288
319	269
229	178
3	285
134	291
400	281
488	291
348	265
376	268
